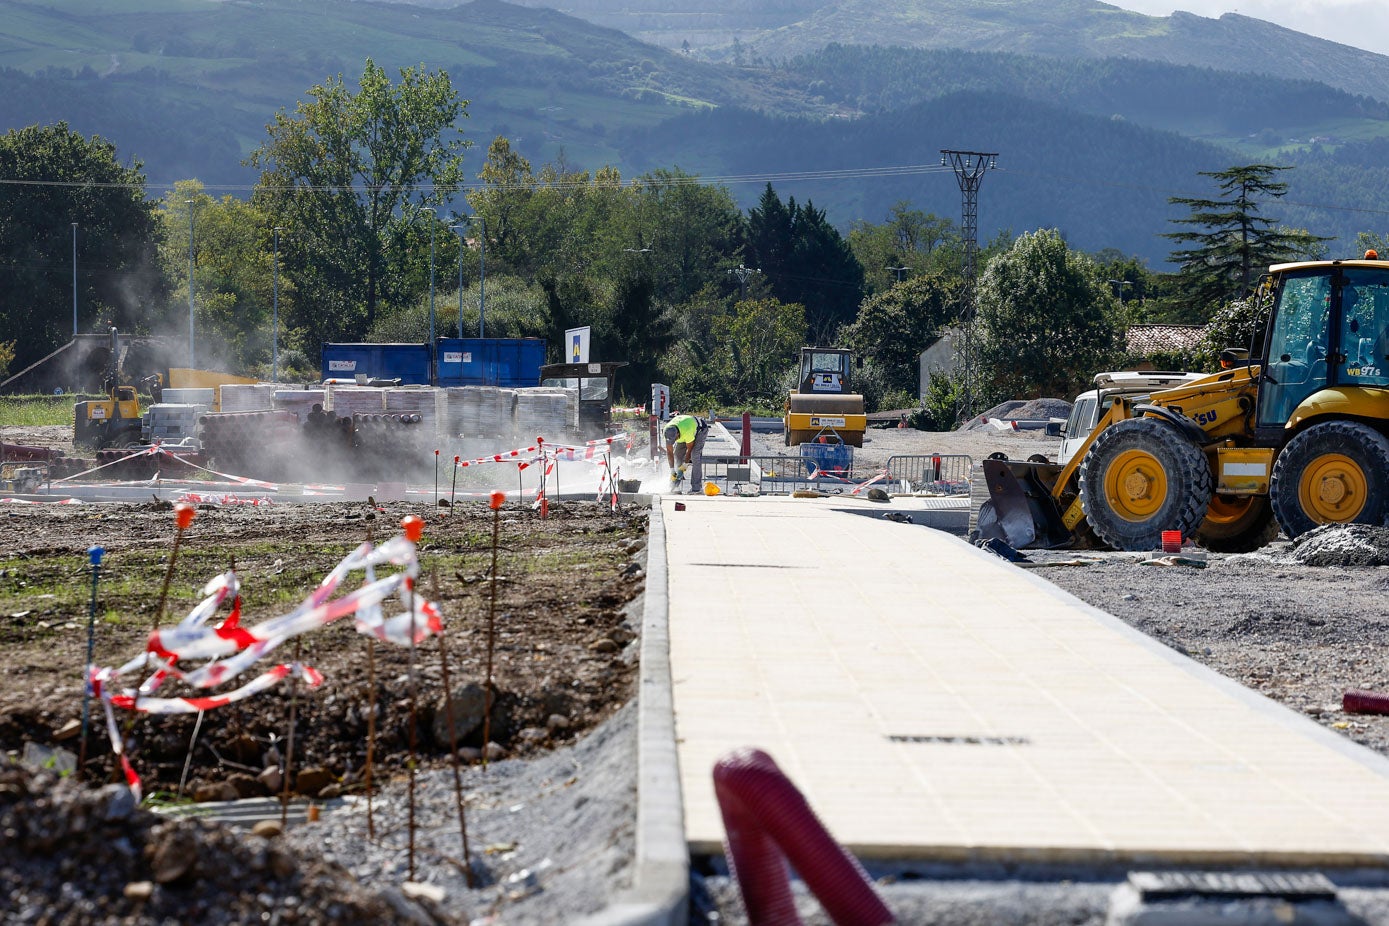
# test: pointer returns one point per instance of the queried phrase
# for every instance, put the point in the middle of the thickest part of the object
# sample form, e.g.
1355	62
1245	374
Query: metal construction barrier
929	474
777	475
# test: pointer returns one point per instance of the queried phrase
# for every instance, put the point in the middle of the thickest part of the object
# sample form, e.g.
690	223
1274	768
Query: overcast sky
1362	23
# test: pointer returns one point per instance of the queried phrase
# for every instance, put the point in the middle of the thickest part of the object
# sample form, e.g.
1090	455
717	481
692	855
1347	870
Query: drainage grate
1237	898
960	740
1159	885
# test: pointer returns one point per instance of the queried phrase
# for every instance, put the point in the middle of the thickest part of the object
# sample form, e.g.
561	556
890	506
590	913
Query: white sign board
341	366
660	401
576	345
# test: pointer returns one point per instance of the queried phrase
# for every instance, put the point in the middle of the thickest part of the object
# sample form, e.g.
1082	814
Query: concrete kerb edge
660	892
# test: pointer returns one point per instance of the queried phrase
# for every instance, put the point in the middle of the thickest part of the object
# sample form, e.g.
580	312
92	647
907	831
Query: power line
646	180
848	173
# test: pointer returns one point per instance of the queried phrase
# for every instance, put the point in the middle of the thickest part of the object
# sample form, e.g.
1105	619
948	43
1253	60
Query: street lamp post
462	244
192	363
432	223
1121	284
275	343
899	271
482	273
74	279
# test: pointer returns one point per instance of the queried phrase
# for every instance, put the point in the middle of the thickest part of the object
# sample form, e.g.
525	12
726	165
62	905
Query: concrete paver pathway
935	702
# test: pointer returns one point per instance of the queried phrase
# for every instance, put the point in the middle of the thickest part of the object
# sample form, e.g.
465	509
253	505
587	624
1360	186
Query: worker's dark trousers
694	455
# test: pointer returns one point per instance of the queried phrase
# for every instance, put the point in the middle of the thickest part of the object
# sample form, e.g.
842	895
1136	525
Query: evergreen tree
1230	242
805	261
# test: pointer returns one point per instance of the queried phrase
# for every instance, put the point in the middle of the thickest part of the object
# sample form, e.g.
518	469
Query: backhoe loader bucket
1020	509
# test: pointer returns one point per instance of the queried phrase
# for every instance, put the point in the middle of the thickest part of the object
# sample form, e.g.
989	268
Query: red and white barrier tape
192	638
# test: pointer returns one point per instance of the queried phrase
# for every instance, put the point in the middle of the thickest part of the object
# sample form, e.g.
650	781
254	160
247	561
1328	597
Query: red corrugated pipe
768	822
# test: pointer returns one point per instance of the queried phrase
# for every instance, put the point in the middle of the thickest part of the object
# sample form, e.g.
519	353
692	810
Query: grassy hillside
1102	182
1243	110
775	31
1091	145
189	86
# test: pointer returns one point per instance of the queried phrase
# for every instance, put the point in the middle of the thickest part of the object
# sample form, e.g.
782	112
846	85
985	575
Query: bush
940	405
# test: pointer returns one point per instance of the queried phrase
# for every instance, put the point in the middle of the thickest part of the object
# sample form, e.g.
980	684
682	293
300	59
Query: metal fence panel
929	473
776	475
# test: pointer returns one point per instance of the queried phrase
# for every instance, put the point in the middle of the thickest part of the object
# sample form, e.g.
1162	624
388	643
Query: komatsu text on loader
822	405
1297	438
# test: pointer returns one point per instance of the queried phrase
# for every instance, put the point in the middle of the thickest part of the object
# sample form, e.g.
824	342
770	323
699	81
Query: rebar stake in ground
496	502
453	737
289	740
94	555
414	529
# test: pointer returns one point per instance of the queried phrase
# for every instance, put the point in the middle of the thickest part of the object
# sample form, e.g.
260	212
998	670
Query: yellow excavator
115	420
1296	438
822	404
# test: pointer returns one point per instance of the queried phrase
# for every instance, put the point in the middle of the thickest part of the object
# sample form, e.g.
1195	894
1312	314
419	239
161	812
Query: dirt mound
1040	409
1343	545
1020	410
75	855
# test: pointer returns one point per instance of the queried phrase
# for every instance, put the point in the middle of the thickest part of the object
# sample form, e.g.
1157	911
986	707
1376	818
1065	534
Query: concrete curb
660	893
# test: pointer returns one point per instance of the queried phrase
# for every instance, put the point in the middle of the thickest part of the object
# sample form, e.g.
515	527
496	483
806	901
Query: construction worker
685	445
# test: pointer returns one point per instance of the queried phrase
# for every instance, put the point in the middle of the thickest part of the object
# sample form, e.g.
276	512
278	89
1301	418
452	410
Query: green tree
910	243
357	178
1372	241
514	307
805	260
1045	321
53	177
233	279
895	326
1230	243
761	339
693	230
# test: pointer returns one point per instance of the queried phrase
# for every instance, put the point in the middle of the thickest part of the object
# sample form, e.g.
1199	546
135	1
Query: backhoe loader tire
1333	472
1237	524
1140	478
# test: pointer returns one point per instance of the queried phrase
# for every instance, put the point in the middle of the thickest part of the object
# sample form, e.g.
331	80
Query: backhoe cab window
1330	329
1296	346
1363	359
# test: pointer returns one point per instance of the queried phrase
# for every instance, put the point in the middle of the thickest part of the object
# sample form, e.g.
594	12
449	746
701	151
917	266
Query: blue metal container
409	363
506	362
831	458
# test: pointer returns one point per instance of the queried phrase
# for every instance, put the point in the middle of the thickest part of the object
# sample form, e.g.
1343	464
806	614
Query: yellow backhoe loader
821	404
1297	438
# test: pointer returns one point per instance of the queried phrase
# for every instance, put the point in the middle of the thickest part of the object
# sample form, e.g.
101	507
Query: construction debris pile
1343	545
80	855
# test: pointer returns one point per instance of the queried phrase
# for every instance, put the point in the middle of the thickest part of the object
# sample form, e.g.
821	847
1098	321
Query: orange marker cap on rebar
497	499
183	515
413	525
